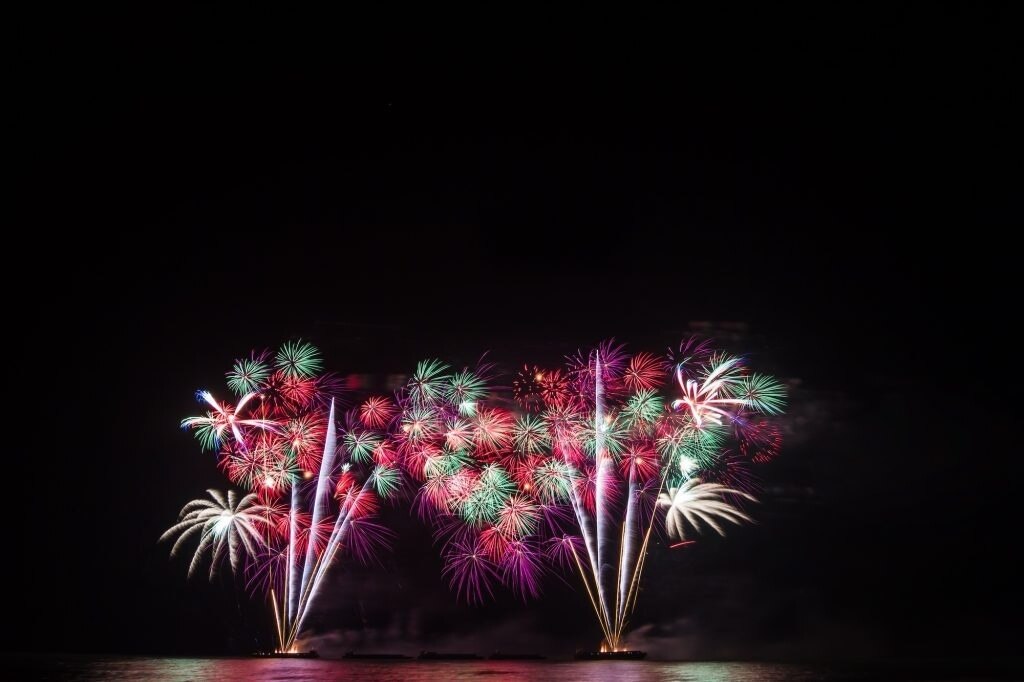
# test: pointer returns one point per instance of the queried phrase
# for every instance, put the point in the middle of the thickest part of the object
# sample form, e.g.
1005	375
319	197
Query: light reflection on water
87	668
200	669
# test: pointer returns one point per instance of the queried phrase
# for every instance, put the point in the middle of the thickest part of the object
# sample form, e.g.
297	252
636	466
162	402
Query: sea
80	667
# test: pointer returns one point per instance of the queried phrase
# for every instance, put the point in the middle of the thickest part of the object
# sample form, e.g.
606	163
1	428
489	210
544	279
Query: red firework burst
376	412
645	372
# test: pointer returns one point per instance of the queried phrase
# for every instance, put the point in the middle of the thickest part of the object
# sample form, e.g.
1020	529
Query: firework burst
226	522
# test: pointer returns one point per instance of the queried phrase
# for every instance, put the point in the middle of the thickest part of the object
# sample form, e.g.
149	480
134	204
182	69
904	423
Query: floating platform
287	654
377	657
610	655
501	656
437	656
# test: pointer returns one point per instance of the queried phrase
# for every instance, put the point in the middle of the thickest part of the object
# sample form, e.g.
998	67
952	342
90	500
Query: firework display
471	459
570	469
584	465
312	488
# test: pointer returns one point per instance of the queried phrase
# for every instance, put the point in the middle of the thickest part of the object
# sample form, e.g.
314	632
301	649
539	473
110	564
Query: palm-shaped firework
694	503
224	523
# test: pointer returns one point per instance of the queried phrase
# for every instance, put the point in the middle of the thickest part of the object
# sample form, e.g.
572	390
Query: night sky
837	181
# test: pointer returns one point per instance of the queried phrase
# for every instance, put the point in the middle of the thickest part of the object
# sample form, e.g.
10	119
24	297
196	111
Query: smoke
683	640
406	635
676	640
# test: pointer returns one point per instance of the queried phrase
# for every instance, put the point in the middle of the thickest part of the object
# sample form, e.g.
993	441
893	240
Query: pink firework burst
307	533
360	503
607	361
535	388
384	453
458	433
461	485
366	540
267	570
226	420
418	459
645	372
492	429
305	437
521	568
376	412
518	517
586	487
494	543
432	498
272	516
564	550
760	440
639	461
469	569
732	470
346	481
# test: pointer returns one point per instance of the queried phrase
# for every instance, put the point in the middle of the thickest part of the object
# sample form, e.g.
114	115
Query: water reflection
218	669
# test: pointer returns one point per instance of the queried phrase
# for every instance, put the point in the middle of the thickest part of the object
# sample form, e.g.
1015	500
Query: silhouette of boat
500	656
380	657
610	655
287	654
436	656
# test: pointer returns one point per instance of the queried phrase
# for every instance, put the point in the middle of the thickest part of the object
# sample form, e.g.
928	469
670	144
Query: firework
474	464
595	463
298	360
580	472
312	491
226	521
211	428
694	502
248	373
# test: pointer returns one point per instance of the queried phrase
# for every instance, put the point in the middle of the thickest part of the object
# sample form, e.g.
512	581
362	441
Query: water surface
72	667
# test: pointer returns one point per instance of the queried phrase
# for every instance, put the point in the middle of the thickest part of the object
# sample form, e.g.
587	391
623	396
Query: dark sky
836	179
